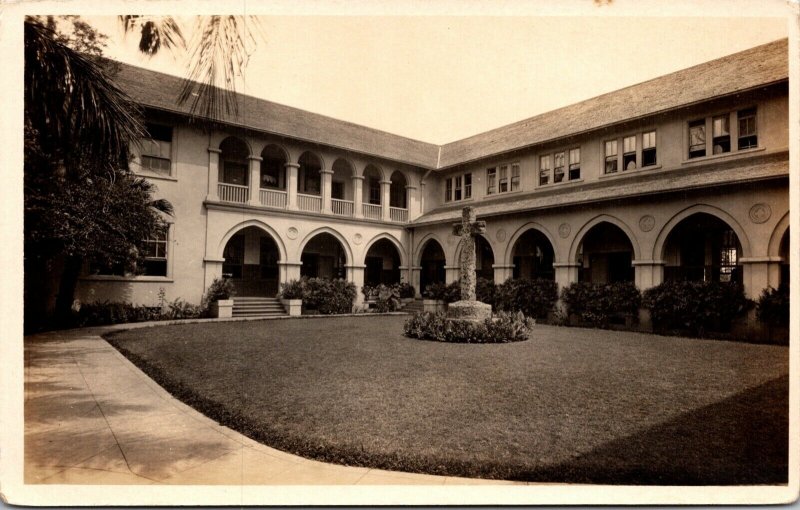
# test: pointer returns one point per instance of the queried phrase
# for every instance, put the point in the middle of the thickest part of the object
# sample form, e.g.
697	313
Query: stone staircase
258	307
413	307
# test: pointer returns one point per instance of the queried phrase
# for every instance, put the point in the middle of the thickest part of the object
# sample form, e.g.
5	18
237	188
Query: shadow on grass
741	440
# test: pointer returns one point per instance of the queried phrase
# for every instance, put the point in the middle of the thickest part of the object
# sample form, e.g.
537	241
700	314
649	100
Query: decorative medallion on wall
646	223
500	235
760	213
291	233
563	230
358	238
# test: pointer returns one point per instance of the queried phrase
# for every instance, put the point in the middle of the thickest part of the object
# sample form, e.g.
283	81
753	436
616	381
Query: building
685	176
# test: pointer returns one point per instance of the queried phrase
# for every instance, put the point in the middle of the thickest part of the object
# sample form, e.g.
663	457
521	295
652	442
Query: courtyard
569	405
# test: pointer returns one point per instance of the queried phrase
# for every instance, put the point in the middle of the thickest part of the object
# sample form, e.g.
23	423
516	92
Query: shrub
485	291
321	294
441	292
406	290
107	312
292	290
220	288
504	328
773	306
387	298
695	307
534	298
597	303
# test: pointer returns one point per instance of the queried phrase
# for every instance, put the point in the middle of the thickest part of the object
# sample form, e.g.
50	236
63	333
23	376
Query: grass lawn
569	405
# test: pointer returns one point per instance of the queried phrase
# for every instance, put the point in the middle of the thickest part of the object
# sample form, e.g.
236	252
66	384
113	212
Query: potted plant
291	297
218	298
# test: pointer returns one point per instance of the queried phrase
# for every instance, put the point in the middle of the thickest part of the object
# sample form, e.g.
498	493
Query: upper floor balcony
272	181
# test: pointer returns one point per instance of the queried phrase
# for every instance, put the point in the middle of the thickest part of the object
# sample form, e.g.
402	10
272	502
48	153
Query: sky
439	78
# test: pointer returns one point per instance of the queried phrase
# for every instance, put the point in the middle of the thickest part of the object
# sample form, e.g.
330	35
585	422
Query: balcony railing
273	198
233	193
311	203
398	214
372	211
342	207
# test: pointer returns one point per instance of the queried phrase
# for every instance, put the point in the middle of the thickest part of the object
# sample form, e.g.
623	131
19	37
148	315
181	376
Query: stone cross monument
468	309
467	230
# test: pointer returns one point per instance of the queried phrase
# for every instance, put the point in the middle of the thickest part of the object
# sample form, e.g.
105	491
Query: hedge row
534	298
321	294
503	328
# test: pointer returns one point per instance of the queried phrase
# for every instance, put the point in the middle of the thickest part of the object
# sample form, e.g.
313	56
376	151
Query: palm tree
219	53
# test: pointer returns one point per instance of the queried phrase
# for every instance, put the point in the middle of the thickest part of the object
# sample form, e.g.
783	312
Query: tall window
611	157
458	182
748	137
728	257
514	176
448	189
503	178
468	185
697	138
574	164
721	132
157	149
629	153
649	148
544	170
491	181
155	254
558	168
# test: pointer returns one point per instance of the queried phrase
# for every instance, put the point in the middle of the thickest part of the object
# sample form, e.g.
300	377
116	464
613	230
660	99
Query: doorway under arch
605	255
383	264
533	257
323	257
251	263
702	247
432	264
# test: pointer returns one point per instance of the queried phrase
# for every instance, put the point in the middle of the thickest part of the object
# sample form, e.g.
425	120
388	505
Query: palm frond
156	32
70	98
163	205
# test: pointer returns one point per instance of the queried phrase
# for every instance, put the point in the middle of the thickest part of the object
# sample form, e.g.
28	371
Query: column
289	271
412	202
325	180
502	272
416	272
648	273
255	180
213	174
358	184
355	274
422	197
451	274
566	273
755	275
291	185
385	200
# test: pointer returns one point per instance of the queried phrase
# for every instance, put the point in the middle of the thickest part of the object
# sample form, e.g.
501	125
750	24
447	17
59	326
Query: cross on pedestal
467	230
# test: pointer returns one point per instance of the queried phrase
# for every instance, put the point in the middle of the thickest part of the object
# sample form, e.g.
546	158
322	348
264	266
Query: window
611	157
514	176
748	138
721	133
544	170
697	138
155	254
629	153
374	191
491	181
468	185
503	181
448	189
728	256
558	169
457	195
649	148
574	164
157	149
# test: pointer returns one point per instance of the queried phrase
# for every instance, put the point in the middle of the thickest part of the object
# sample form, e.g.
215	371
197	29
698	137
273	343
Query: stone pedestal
473	311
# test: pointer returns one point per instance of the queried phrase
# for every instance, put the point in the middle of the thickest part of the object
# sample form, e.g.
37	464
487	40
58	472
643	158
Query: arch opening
484	258
397	190
233	167
341	182
605	255
251	262
383	264
273	168
309	180
783	252
432	264
323	257
372	185
533	257
702	247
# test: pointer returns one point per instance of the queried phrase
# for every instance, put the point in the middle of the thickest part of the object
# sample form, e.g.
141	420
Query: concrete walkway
92	417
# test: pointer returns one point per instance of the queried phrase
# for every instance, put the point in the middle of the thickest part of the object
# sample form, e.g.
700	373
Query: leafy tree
81	200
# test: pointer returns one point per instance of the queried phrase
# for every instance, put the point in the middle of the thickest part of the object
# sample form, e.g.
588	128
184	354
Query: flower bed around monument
503	328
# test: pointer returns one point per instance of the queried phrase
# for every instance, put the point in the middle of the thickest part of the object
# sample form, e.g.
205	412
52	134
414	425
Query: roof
746	70
160	91
759	66
645	183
